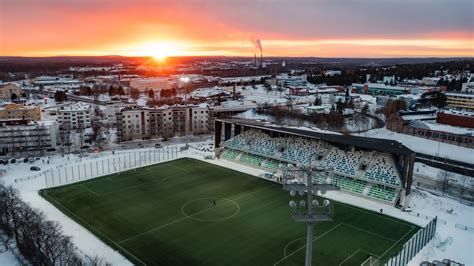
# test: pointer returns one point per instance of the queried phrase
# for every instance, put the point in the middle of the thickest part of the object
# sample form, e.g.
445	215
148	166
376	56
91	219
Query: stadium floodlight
308	210
292	204
326	203
302	203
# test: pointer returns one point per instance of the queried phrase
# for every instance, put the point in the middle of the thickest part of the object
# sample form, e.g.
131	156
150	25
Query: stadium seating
345	183
379	168
382	192
382	170
263	144
350	184
271	164
251	159
302	150
230	154
343	162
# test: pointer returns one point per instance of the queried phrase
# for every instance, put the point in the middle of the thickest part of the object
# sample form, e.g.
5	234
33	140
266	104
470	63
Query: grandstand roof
384	145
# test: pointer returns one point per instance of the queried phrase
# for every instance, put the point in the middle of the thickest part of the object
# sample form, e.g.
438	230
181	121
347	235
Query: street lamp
310	210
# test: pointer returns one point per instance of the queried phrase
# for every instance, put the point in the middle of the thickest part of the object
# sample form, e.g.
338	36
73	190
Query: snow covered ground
8	259
450	242
438	175
425	146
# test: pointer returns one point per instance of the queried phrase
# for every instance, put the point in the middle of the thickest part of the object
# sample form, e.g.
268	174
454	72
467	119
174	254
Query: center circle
210	209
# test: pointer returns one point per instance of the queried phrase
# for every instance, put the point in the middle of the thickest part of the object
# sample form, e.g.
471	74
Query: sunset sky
333	28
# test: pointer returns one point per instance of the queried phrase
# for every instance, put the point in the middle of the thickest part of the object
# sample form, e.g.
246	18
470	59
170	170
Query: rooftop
443	128
384	145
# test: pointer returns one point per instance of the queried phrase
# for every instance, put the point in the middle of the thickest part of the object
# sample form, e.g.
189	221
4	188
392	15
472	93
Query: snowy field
450	241
425	146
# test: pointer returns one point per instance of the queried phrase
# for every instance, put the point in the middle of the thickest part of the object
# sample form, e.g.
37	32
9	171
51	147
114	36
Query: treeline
392	107
332	121
100	89
346	78
357	74
39	241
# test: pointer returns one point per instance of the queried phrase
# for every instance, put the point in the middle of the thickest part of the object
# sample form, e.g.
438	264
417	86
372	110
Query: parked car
35	168
12	160
26	160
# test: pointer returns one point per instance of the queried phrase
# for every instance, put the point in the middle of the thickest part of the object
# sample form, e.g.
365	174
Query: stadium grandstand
378	169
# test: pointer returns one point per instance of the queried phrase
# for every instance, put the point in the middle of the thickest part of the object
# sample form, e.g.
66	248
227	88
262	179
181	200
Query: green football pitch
189	212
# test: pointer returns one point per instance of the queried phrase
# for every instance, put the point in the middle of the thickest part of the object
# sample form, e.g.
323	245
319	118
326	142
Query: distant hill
315	60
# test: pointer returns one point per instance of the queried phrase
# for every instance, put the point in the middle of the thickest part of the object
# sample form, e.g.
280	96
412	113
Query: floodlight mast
307	215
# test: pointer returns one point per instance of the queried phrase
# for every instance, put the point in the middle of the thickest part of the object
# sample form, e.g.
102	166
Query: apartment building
460	100
30	139
148	123
75	116
20	111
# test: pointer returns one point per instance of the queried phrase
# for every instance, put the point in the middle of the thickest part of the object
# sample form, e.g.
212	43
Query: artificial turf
189	212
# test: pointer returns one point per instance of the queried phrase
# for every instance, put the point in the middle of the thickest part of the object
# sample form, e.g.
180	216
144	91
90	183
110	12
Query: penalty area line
314	239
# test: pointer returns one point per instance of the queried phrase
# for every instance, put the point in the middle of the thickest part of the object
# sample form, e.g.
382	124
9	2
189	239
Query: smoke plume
257	43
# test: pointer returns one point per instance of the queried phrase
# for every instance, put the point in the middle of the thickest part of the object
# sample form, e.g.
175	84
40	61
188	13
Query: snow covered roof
208	92
442	128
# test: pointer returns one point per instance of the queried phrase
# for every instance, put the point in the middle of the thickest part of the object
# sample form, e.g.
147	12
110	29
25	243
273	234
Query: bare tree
39	241
97	133
65	137
444	177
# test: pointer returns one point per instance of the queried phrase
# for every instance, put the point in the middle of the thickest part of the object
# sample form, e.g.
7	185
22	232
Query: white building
468	87
49	80
76	116
143	84
389	79
32	139
111	109
291	81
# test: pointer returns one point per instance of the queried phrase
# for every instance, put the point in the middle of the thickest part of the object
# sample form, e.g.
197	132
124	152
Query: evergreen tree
151	94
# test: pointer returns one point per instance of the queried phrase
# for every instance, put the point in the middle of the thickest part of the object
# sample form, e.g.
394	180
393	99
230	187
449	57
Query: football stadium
188	211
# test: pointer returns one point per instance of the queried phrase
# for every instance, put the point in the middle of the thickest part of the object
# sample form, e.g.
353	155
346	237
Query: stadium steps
367	189
238	156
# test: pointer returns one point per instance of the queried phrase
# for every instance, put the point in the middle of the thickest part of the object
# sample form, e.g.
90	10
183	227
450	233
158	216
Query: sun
160	51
